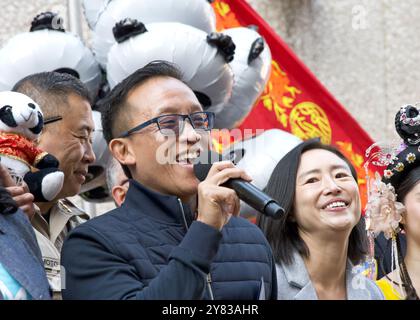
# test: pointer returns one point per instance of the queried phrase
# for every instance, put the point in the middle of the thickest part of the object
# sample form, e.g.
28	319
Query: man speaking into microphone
174	237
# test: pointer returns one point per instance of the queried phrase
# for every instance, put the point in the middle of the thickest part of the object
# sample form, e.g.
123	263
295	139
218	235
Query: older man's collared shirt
64	216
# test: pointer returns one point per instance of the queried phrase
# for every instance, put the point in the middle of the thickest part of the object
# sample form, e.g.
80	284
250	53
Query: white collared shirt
64	216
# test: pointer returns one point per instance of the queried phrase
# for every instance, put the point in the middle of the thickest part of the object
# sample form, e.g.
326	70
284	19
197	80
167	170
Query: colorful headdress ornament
383	210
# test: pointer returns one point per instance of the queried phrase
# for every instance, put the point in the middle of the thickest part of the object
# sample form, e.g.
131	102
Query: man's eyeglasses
173	124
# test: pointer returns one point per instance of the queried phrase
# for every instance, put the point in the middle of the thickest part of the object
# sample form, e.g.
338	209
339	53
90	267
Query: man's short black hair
114	104
51	90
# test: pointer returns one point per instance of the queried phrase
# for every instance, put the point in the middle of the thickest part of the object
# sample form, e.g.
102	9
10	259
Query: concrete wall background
366	52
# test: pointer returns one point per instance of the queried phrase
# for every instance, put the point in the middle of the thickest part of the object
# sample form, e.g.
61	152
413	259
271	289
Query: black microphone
246	191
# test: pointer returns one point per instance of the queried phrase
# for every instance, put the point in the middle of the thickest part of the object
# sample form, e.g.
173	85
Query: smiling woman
321	235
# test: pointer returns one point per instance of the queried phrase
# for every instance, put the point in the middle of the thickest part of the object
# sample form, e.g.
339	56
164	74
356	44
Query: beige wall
366	52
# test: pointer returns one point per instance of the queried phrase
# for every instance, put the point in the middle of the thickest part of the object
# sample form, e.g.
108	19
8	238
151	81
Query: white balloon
250	79
100	147
93	9
260	156
197	13
102	154
47	50
204	68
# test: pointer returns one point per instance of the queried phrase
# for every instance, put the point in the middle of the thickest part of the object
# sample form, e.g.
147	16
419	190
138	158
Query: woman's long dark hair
7	204
282	234
410	181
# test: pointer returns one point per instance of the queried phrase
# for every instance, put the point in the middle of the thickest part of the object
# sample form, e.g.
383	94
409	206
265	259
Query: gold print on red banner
225	18
307	120
278	96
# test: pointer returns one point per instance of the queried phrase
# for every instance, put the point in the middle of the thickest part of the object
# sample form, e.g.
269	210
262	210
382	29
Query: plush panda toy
21	122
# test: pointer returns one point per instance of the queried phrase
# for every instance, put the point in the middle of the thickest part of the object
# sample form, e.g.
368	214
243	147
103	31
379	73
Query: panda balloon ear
127	28
224	44
204	99
210	1
47	21
69	71
256	48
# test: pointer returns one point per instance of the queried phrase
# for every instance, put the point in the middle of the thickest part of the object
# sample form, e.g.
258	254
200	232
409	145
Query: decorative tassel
395	264
371	262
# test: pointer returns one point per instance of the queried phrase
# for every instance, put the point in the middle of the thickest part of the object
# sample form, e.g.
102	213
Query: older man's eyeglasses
52	119
173	124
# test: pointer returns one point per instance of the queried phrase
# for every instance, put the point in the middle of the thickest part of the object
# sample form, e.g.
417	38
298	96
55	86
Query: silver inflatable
96	177
251	68
204	65
259	156
196	13
93	9
47	48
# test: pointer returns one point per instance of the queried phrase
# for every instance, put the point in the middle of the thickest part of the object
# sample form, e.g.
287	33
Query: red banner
294	100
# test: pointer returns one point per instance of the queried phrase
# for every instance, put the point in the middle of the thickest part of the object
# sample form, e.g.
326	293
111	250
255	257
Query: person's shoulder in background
20	255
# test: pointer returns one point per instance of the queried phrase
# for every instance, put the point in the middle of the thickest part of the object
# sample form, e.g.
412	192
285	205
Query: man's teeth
337	204
188	157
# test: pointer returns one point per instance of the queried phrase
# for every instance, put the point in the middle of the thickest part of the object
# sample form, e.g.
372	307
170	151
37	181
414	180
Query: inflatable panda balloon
202	58
47	47
251	68
259	156
196	13
93	9
94	188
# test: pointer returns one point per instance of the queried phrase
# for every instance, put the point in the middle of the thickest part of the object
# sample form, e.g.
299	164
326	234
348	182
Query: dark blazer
150	248
20	254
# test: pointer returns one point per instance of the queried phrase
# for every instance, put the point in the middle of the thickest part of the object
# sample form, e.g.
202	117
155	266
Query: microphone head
273	210
203	163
